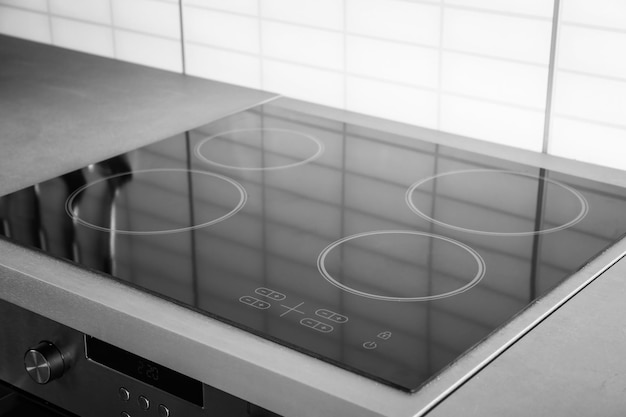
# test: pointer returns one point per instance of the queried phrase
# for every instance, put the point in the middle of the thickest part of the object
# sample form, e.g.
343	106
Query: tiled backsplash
478	68
141	31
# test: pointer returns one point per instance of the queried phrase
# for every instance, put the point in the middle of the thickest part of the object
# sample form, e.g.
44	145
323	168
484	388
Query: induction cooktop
383	254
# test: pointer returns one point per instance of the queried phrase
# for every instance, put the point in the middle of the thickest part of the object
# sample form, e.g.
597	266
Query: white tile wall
494	71
223	30
325	14
492	79
589	113
148	50
499	36
397	20
226	66
593	51
590	142
590	97
302	82
142	31
38	5
151	17
473	67
248	7
392	61
84	37
538	8
303	45
25	24
608	14
97	11
493	122
409	105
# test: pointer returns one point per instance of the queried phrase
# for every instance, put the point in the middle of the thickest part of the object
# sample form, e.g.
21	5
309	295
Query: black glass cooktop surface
382	254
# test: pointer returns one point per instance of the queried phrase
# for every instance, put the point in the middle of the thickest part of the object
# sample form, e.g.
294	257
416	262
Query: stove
382	254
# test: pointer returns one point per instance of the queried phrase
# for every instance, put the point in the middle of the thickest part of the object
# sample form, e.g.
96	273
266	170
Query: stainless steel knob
44	363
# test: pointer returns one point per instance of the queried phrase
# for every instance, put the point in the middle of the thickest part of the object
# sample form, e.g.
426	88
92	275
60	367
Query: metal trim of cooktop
238	362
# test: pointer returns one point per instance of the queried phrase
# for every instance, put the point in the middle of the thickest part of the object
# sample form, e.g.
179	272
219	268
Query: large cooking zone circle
497	202
259	149
401	265
155	201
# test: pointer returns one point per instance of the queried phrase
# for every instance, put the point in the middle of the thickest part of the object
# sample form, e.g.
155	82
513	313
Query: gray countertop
61	110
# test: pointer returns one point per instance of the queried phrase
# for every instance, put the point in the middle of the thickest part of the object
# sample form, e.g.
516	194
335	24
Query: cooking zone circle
401	265
497	202
259	149
155	201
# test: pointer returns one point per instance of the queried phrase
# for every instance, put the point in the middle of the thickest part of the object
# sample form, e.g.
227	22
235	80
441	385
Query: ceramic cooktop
383	254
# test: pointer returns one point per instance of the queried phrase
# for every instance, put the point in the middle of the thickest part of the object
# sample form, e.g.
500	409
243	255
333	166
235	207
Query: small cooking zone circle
259	149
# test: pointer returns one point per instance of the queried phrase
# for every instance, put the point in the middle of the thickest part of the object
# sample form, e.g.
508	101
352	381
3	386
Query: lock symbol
384	335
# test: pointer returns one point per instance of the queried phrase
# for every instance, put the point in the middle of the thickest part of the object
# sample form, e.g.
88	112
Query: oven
52	370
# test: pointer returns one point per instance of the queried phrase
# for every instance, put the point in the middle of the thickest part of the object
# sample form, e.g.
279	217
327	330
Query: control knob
44	362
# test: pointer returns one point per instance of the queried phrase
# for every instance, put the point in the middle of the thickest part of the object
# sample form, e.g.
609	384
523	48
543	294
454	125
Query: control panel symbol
308	322
291	309
370	345
255	302
331	315
269	293
384	335
324	328
317	325
263	291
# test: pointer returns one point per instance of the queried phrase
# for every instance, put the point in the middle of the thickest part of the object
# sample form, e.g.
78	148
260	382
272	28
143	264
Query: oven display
145	371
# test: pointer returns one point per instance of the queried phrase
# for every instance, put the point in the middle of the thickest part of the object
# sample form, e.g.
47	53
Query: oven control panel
89	377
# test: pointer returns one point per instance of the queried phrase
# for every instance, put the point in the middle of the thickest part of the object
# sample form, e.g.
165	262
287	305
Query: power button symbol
370	345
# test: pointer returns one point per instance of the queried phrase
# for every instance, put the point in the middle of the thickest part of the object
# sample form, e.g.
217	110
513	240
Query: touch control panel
319	319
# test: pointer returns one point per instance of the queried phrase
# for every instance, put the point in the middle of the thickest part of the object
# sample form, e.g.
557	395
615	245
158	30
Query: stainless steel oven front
49	369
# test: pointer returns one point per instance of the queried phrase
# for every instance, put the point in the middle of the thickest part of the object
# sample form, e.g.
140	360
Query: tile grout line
182	38
114	44
440	64
551	80
471	54
345	54
433	4
590	26
261	56
586	120
49	13
591	75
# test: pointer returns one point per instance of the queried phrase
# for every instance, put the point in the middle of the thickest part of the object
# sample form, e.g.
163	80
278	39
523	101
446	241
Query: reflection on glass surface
257	268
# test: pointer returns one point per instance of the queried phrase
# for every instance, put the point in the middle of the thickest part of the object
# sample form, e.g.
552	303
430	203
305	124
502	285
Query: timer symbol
147	370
